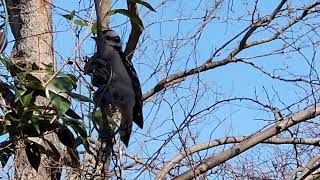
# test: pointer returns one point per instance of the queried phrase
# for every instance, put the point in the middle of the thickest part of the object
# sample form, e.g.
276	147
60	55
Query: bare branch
310	168
136	31
181	76
217	159
230	140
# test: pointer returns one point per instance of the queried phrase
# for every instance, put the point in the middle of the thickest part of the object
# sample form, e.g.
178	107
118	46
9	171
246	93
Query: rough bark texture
30	22
105	7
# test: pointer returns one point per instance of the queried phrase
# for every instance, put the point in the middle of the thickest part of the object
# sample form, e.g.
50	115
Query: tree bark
105	7
31	25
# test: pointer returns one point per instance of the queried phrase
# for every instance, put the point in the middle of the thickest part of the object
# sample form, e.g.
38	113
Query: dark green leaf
41	142
69	79
94	29
35	85
145	4
36	126
31	77
81	97
26	99
60	103
132	16
60	86
33	155
72	114
80	22
65	136
70	16
35	122
80	128
97	116
76	125
29	81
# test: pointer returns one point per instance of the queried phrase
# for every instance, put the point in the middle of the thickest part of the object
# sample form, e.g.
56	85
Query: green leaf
132	16
61	86
72	114
26	99
97	116
80	22
65	136
29	80
69	79
33	155
76	125
94	29
35	85
145	4
81	129
35	122
81	97
41	142
60	103
70	16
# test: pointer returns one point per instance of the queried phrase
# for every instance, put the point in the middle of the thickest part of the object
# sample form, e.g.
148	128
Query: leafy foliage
131	15
25	119
70	16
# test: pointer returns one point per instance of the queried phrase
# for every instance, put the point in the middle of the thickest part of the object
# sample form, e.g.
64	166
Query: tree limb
209	64
211	162
230	140
136	31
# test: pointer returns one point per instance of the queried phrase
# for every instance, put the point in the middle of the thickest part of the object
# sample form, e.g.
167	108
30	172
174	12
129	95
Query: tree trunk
30	22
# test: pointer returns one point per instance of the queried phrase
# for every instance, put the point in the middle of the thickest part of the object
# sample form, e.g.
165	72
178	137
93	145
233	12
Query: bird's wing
137	109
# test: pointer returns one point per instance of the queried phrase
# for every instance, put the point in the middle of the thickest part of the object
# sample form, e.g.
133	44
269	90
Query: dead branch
211	162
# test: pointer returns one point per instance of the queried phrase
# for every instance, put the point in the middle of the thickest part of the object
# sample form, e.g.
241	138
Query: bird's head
111	38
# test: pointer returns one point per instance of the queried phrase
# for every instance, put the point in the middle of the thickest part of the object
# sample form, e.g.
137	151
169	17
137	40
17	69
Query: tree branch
181	76
217	159
230	140
136	31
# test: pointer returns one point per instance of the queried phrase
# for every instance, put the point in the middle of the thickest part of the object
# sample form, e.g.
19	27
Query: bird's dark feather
137	109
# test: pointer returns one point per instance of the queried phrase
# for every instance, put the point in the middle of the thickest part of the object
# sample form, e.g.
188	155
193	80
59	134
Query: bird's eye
116	39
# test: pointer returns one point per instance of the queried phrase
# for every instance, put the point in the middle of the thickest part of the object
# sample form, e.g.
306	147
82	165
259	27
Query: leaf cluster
131	15
28	119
